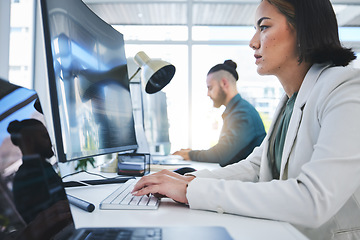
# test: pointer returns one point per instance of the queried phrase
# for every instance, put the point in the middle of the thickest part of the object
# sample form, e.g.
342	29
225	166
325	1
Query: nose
254	42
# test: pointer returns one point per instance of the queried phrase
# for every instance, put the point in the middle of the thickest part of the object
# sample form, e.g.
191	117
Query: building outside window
21	42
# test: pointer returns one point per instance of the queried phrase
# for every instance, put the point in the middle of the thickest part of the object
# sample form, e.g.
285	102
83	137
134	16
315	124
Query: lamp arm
134	74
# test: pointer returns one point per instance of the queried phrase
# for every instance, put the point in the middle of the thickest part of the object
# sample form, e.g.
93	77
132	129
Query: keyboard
122	198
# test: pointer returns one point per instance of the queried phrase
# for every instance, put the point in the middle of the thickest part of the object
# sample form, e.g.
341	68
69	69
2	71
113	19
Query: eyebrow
261	19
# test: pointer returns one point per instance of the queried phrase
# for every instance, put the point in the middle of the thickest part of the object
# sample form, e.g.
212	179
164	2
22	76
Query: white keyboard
122	198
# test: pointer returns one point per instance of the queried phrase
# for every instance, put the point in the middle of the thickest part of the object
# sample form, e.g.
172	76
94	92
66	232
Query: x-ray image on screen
88	81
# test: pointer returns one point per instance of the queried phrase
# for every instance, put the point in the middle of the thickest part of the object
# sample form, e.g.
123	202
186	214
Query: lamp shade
155	73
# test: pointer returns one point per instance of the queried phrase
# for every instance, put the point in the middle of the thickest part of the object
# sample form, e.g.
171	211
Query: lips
258	58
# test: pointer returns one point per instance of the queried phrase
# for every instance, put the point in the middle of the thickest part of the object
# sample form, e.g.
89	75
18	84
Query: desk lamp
155	74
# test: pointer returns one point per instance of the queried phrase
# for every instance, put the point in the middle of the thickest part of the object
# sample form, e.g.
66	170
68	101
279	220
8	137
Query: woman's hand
164	184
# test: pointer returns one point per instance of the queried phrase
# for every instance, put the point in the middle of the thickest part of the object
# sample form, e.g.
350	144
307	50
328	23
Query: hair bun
230	63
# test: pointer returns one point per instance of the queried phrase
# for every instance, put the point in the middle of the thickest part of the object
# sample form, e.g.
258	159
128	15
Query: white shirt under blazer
319	186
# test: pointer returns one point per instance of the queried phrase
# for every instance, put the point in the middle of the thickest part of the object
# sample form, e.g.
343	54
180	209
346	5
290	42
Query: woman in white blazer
307	170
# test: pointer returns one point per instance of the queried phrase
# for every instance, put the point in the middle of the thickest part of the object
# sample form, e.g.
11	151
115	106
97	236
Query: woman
307	170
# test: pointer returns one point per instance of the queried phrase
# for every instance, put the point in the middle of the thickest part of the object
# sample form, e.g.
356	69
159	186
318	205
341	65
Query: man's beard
220	98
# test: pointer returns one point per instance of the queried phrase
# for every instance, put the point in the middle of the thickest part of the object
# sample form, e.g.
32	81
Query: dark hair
317	31
15	127
228	65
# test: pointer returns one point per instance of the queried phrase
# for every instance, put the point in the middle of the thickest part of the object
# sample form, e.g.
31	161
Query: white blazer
319	186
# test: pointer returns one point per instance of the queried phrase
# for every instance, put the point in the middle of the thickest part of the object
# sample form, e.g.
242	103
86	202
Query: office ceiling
199	12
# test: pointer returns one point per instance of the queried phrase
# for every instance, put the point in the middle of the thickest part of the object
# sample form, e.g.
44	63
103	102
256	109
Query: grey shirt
242	131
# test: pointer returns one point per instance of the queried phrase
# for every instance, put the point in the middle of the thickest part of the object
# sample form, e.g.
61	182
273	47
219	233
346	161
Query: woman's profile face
274	41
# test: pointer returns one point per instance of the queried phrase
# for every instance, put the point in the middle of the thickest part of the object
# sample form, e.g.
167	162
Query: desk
174	214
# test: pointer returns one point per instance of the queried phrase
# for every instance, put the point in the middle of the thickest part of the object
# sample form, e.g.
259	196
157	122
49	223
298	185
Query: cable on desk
74	173
95	174
105	180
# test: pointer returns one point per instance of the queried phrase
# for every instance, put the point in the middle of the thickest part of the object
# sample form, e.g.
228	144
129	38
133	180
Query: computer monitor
88	82
156	123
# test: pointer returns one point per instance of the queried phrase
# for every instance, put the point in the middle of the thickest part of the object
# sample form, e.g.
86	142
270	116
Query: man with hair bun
242	130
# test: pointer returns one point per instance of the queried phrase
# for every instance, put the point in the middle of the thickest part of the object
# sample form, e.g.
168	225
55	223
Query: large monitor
88	80
156	123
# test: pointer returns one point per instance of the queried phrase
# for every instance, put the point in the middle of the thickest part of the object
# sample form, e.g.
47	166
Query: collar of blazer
305	91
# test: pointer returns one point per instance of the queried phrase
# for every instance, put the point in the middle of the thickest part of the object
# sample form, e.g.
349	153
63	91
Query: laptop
33	202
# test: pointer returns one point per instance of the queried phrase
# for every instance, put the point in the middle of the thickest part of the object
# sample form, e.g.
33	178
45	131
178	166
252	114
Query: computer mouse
184	170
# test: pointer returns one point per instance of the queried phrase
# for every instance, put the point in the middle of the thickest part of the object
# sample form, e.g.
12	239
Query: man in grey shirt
242	129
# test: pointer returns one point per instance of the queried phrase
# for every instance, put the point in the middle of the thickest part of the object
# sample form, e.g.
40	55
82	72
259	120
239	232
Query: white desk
174	214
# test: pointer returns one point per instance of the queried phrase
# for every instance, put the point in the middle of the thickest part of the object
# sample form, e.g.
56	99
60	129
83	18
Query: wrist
189	179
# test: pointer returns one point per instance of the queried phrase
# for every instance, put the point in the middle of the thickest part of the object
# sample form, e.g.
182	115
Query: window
203	129
21	43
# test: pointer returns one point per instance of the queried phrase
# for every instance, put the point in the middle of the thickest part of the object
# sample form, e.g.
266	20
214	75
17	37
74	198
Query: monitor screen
88	80
156	123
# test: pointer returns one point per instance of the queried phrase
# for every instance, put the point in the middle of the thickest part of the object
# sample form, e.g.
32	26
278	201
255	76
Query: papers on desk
131	168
